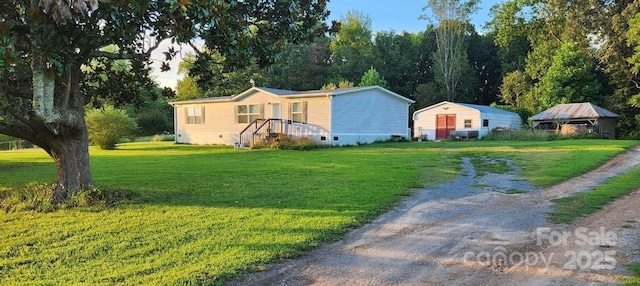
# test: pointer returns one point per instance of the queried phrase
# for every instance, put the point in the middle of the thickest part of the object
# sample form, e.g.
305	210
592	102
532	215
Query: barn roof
585	110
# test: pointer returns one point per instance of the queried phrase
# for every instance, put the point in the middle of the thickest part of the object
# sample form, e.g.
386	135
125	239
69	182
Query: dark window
485	123
335	138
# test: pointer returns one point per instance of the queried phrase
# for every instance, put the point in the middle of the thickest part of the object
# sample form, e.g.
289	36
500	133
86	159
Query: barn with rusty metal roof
585	116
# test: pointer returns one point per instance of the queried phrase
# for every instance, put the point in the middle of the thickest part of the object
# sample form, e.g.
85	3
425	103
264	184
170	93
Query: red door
445	123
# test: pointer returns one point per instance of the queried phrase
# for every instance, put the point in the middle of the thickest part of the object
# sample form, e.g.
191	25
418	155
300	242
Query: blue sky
400	15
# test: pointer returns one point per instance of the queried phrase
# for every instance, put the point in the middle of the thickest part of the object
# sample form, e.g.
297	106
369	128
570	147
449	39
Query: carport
590	117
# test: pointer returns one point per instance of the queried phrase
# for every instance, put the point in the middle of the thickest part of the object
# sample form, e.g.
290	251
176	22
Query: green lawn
205	214
635	279
566	210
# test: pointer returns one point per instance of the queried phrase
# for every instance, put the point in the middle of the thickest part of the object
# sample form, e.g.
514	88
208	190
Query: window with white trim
467	123
298	112
195	115
248	113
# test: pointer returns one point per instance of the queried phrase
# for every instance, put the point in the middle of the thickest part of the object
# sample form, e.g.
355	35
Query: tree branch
194	47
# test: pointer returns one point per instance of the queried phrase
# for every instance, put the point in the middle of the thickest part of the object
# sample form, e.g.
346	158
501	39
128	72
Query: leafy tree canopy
571	78
372	77
352	49
514	86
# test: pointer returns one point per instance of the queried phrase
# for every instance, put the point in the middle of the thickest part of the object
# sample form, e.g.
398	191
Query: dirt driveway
483	229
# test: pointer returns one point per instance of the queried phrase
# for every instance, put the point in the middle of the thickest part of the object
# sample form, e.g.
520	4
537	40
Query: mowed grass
635	279
566	210
206	214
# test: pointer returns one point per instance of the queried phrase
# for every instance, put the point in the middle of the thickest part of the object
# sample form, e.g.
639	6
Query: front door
445	123
276	126
275	111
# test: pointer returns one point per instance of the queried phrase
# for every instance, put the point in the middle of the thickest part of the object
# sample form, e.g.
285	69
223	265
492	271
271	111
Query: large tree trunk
59	108
71	155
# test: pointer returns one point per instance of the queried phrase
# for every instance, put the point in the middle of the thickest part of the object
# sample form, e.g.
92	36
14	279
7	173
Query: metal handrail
259	128
252	123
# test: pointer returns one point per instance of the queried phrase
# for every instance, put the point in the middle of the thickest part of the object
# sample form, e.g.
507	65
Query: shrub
155	138
39	197
107	126
523	112
34	196
5	138
284	142
633	135
522	135
153	122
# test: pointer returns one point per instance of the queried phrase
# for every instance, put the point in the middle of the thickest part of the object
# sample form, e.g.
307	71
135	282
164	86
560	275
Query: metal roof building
450	119
593	117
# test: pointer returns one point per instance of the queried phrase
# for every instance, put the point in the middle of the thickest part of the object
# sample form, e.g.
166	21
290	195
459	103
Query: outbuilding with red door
449	119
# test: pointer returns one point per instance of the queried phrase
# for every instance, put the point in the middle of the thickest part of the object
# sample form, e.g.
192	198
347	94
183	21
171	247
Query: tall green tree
514	86
482	82
45	43
570	78
405	59
187	89
302	66
399	54
428	94
118	81
614	53
450	59
633	36
352	49
509	25
217	80
372	77
596	27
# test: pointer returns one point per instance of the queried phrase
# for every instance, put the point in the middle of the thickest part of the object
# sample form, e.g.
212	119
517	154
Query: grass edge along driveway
206	214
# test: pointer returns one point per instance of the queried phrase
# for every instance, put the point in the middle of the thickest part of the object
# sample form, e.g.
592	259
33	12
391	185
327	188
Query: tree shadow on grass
16	174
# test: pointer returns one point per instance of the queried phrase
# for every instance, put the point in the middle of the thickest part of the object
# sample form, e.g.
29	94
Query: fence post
16	145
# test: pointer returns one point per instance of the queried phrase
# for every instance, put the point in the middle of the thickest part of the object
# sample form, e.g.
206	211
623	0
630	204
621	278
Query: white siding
367	116
318	118
508	121
346	118
218	128
425	119
220	119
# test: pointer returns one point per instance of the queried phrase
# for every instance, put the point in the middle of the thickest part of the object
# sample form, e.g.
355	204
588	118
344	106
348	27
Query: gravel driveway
482	229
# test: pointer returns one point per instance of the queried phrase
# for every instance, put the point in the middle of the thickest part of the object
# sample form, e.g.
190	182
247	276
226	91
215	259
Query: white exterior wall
218	128
367	116
343	118
318	119
509	121
221	127
425	120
